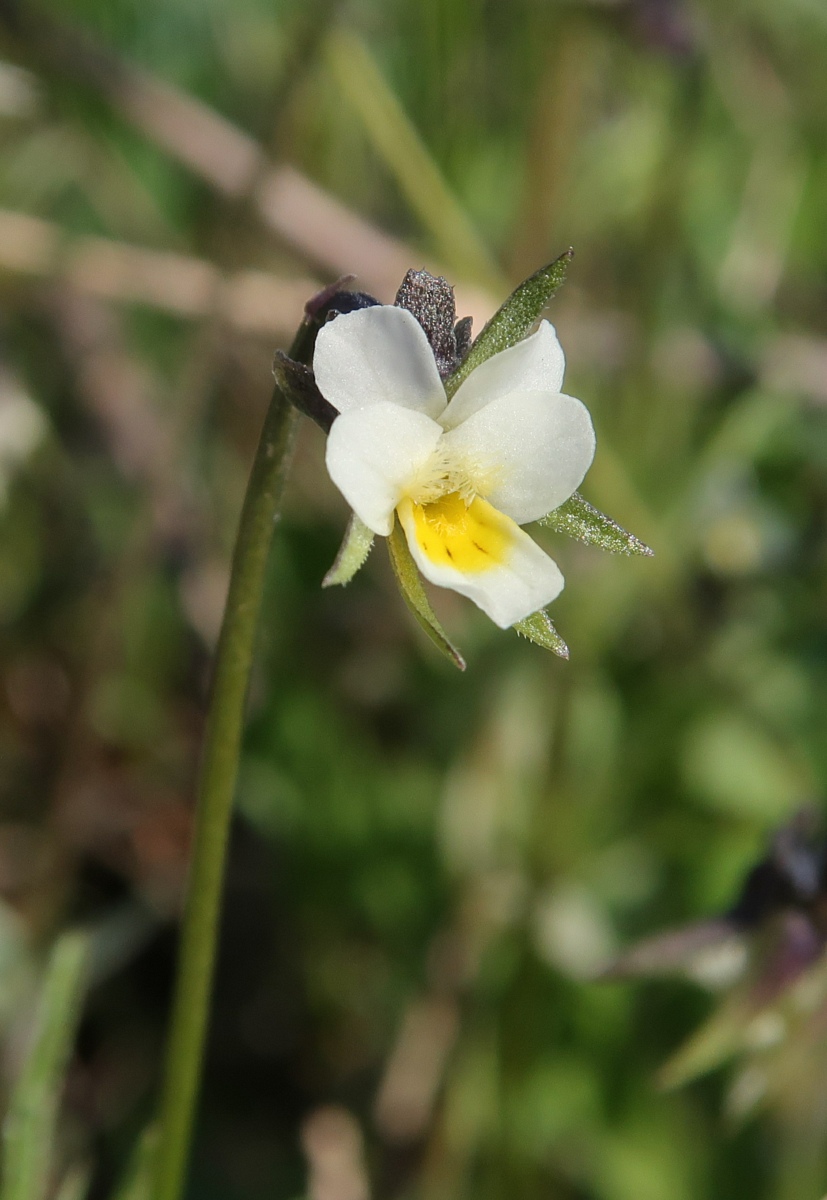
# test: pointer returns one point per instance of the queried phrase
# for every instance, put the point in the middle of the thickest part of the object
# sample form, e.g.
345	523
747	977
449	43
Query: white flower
463	475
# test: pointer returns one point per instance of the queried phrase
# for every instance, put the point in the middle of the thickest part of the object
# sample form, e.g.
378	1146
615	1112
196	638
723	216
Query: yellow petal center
452	533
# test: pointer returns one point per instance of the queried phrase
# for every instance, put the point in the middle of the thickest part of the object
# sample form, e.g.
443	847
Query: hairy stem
216	786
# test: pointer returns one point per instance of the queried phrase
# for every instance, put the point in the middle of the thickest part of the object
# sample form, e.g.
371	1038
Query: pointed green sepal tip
577	518
513	319
413	593
538	628
719	1039
353	552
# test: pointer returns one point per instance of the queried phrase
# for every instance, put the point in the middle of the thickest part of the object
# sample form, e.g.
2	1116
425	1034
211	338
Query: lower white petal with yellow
482	554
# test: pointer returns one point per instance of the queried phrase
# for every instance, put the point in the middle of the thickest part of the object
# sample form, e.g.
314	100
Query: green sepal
299	387
538	628
720	1038
578	519
413	593
353	552
512	321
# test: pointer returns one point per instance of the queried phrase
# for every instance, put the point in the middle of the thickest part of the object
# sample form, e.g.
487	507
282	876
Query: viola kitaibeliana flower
447	448
461	475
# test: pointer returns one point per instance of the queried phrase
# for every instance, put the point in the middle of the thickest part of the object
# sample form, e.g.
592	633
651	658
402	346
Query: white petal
481	554
373	453
377	354
536	364
527	452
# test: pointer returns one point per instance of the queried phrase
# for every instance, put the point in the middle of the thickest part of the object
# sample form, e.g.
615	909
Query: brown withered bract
430	298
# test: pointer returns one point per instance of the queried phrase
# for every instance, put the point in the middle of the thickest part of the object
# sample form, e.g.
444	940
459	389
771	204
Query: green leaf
353	552
578	519
513	320
538	628
29	1127
137	1182
410	584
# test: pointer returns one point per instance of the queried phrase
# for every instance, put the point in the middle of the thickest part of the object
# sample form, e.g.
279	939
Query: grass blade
137	1181
397	141
28	1130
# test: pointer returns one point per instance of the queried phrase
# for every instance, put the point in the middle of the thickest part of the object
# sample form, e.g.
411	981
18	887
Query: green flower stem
216	786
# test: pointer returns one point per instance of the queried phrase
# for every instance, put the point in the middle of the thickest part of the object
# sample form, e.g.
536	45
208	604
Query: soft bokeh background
427	867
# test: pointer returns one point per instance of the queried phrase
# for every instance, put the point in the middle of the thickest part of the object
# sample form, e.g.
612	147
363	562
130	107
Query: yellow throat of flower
469	535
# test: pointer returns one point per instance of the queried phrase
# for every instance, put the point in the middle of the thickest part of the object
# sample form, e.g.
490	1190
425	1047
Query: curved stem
216	787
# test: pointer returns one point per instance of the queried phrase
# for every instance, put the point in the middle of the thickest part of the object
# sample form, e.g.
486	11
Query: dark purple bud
335	299
790	875
347	302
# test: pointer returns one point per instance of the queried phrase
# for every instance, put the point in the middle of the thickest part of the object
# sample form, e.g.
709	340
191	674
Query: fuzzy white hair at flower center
448	470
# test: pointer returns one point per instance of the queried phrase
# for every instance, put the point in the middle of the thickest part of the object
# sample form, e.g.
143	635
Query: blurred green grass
427	865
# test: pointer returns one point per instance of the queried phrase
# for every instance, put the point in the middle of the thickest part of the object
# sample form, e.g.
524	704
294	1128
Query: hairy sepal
578	519
353	552
299	387
513	320
538	628
413	593
720	1038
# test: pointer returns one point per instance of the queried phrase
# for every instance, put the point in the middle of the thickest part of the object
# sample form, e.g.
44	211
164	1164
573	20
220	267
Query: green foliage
29	1126
137	1181
75	1185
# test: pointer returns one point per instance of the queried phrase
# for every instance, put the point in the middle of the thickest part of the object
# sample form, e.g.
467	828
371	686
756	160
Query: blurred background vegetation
427	868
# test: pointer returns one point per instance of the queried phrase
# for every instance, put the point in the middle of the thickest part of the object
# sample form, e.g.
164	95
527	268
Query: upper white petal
373	453
508	592
526	453
377	354
536	364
